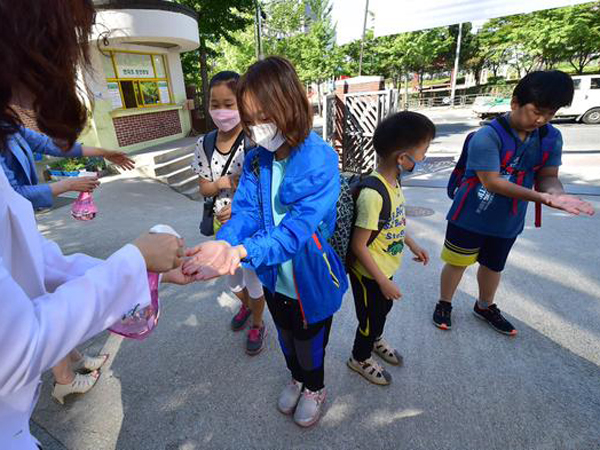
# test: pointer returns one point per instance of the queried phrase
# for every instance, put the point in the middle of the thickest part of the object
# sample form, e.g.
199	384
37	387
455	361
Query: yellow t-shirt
387	248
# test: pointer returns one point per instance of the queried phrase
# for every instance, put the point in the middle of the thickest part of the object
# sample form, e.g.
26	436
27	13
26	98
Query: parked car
585	106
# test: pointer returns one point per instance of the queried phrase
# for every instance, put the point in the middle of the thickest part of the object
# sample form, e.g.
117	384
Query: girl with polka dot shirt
216	182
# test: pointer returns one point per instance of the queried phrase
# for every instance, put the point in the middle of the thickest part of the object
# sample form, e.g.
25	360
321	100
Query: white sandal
371	371
388	353
80	385
89	363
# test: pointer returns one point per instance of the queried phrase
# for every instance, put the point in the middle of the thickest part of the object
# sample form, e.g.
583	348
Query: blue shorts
463	248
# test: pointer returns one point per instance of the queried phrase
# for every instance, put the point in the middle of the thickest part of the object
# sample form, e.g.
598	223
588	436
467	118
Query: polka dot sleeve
200	164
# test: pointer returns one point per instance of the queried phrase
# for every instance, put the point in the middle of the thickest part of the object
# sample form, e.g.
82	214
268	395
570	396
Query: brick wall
146	127
27	117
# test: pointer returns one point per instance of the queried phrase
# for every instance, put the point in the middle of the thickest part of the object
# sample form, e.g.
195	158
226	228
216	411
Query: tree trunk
205	90
495	69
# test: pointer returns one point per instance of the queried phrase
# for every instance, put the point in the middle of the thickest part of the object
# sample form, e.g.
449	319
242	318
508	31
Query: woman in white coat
50	303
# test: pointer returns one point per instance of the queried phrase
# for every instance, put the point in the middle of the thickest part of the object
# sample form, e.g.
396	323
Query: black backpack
209	144
351	187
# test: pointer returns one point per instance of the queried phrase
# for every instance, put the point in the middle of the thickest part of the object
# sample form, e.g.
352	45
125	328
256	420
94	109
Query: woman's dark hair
402	131
274	84
550	89
227	77
42	45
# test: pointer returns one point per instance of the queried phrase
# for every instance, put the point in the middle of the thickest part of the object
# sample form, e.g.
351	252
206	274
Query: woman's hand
162	252
80	184
224	214
213	259
119	158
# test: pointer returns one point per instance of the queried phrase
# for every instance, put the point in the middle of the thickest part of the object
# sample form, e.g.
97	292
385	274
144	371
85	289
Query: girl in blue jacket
283	210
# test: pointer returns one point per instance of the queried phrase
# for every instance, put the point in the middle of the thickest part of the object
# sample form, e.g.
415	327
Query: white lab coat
50	303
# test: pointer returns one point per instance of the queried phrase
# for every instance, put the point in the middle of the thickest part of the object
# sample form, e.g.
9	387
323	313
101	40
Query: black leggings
372	309
303	348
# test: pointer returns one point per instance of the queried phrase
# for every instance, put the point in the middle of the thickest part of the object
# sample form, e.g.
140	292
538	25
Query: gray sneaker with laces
288	399
308	411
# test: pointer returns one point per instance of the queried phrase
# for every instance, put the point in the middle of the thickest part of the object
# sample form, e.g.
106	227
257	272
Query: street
190	386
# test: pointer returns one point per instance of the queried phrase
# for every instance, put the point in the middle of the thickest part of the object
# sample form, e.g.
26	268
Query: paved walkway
190	386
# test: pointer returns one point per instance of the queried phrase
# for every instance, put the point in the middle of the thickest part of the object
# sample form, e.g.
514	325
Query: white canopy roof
399	16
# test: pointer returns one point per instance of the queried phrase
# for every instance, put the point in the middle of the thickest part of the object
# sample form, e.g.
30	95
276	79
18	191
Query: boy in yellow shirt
401	142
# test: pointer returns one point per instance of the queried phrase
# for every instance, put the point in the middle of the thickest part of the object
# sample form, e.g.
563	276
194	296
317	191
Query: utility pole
258	30
362	42
456	63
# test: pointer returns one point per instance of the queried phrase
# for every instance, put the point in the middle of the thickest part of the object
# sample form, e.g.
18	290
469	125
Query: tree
494	43
542	39
581	34
425	49
236	56
217	20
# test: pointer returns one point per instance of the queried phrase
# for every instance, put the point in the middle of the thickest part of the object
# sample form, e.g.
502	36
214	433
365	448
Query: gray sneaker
308	411
288	399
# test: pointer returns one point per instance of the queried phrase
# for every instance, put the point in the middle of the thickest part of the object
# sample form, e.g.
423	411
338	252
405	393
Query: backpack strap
544	134
373	182
208	144
504	131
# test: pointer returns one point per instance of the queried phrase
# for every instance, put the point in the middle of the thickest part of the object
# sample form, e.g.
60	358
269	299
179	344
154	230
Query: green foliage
303	31
76	164
218	20
541	40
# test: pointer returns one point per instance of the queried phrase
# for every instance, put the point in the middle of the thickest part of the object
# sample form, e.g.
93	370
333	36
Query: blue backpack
547	134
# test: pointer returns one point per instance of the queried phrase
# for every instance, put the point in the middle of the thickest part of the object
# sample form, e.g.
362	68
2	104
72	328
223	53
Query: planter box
57	175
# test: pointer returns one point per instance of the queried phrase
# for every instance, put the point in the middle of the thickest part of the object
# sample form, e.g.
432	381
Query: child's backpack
350	187
507	152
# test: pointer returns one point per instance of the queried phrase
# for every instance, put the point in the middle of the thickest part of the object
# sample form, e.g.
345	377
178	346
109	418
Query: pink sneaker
256	340
239	320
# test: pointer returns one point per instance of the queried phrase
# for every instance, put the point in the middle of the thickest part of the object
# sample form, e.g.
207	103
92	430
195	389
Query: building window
136	80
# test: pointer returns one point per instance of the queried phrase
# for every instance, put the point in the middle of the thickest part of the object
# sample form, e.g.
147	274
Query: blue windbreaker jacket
309	189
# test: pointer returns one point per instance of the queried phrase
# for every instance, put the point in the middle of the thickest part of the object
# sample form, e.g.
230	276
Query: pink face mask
225	119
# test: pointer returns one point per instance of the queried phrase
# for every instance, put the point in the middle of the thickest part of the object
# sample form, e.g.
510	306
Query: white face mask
267	135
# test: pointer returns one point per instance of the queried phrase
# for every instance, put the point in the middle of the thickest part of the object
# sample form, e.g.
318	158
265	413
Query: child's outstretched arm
548	181
494	182
360	238
421	255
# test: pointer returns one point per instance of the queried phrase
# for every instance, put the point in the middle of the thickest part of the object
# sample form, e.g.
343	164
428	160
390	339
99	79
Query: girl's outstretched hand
212	259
